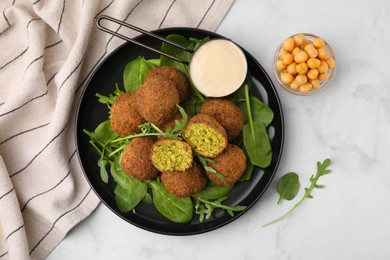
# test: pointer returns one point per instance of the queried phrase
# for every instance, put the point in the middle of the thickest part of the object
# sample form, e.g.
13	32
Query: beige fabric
48	49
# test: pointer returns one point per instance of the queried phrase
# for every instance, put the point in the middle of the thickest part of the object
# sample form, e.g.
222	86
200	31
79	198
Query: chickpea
301	79
280	65
312	74
299	39
313	63
323	67
311	51
315	83
305	87
295	51
323	54
294	85
331	63
281	53
323	76
301	57
287	58
301	68
318	42
303	64
289	44
292	68
286	78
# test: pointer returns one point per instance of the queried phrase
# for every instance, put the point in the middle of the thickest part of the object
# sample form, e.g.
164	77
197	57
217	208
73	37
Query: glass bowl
303	91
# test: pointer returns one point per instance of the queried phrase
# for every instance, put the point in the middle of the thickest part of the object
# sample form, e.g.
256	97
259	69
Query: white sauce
218	68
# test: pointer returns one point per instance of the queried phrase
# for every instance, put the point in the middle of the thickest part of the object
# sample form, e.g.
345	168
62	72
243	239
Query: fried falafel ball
205	135
184	183
136	160
179	78
157	99
226	113
171	155
124	115
231	163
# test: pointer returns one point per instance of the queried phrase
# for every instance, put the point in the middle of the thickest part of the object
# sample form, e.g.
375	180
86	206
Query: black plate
91	113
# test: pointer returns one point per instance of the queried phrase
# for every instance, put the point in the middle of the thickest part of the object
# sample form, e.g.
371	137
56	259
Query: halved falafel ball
124	115
179	78
226	113
136	160
157	99
171	155
184	183
205	135
231	163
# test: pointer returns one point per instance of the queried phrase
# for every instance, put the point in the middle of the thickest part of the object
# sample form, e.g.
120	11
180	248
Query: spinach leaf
135	73
199	42
129	192
248	170
287	186
104	132
179	210
261	113
213	191
176	52
128	198
255	136
257	144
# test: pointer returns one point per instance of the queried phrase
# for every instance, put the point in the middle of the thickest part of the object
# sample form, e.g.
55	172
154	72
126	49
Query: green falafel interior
170	154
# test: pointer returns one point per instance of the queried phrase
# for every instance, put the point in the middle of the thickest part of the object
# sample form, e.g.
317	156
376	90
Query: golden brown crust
226	113
124	115
157	99
136	160
179	78
184	183
231	163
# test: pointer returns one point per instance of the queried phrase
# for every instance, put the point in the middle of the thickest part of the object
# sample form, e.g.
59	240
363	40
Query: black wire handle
105	29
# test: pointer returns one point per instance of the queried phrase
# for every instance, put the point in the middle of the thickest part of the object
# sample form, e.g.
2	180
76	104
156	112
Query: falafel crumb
205	140
172	155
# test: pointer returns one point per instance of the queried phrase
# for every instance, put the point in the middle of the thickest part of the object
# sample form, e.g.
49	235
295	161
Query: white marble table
349	122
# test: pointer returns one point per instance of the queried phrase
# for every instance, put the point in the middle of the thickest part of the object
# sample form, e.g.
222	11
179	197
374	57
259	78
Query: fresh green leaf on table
135	73
288	186
322	169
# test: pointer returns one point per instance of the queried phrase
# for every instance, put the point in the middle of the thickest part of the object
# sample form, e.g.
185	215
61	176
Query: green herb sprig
205	208
321	171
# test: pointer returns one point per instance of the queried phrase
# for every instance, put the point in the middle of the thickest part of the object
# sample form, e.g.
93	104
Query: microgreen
204	208
204	162
321	171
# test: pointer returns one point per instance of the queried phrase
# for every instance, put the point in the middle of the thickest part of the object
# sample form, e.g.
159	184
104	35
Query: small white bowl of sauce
218	68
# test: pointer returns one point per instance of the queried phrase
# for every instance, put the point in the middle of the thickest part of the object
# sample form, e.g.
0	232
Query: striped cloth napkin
48	49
